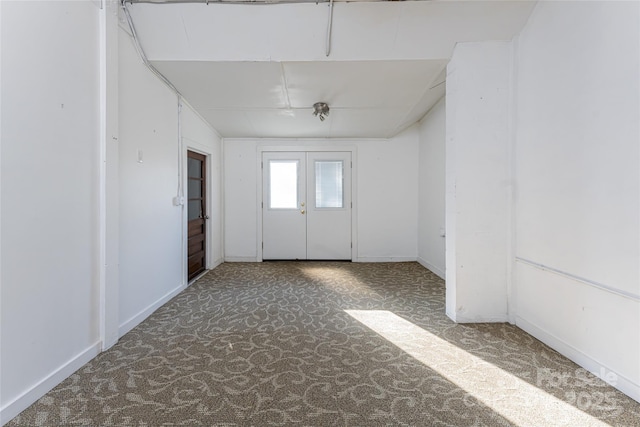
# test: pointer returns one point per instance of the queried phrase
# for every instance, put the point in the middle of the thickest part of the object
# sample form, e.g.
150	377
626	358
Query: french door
306	205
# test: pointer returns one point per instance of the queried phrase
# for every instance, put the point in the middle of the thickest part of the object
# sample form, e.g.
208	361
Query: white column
478	182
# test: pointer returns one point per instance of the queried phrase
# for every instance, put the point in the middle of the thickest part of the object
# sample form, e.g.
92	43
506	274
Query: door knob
302	211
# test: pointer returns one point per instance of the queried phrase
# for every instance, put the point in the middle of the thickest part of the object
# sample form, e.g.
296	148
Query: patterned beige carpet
326	344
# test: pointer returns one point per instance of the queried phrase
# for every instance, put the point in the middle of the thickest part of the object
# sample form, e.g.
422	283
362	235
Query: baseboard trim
26	399
432	268
624	384
216	263
138	318
384	259
500	318
241	259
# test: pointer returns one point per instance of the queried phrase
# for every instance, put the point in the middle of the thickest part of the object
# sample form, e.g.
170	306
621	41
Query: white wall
431	190
240	199
477	181
152	229
577	171
386	176
387	191
150	226
49	174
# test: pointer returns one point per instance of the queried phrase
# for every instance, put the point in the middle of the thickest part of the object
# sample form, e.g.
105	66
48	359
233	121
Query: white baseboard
216	263
240	259
384	259
435	270
138	318
22	402
622	383
500	318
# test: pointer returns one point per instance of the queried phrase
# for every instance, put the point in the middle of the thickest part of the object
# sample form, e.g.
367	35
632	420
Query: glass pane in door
283	184
329	184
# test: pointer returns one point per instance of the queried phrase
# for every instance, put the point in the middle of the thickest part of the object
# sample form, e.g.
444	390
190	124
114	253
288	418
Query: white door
306	208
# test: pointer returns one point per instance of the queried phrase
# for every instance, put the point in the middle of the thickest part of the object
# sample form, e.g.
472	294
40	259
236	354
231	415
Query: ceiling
274	99
256	71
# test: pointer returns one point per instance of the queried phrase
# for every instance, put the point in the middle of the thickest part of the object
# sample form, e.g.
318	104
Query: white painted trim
385	259
259	201
512	146
241	259
2	417
289	142
216	263
223	193
435	270
26	399
142	315
623	383
108	211
102	183
183	181
601	286
499	318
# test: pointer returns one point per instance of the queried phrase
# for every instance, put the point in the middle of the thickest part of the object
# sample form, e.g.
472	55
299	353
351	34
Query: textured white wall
387	198
49	174
150	226
477	181
386	178
152	232
577	171
240	200
431	191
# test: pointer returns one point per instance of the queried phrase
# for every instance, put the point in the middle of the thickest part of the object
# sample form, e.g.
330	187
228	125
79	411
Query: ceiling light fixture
321	109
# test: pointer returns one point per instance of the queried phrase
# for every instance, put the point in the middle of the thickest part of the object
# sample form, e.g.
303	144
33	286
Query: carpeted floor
326	344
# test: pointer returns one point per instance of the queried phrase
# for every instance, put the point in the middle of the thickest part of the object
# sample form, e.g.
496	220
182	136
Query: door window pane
194	210
194	188
329	184
194	168
283	184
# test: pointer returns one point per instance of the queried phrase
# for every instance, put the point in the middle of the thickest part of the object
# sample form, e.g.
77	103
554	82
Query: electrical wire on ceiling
141	53
329	27
238	2
256	2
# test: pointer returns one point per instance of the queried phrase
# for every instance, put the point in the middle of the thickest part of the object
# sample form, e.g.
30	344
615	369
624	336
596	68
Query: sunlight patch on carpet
512	398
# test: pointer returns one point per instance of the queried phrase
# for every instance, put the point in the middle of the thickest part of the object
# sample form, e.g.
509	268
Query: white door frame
307	148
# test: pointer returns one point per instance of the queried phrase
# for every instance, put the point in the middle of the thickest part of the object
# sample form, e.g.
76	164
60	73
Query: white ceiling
274	99
256	71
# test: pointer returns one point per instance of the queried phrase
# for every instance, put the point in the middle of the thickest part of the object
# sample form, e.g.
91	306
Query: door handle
302	211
